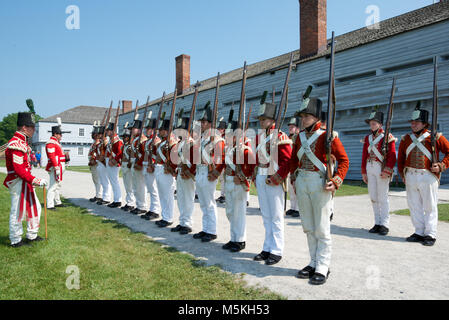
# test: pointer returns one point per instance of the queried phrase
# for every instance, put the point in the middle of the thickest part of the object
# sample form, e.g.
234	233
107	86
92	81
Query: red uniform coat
169	166
391	153
188	151
55	155
18	165
337	151
92	155
284	155
246	165
417	159
217	159
115	149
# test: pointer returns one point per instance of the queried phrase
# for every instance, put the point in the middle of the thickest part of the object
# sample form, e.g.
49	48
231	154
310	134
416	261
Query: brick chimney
127	106
313	27
182	73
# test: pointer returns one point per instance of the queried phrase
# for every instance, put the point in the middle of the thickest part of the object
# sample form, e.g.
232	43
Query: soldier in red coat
314	193
114	152
92	157
240	164
421	176
272	167
185	181
165	172
208	169
21	183
374	174
55	167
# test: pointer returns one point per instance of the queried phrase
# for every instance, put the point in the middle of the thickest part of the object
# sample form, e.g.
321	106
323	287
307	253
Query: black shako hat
376	116
311	106
294	121
420	115
26	119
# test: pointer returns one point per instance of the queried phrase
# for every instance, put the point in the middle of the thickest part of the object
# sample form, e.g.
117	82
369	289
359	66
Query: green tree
8	126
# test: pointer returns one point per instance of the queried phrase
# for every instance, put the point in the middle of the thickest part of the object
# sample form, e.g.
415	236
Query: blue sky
127	49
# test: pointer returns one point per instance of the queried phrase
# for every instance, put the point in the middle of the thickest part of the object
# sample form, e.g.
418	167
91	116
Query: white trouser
15	227
96	180
152	189
422	199
222	180
205	190
186	200
236	209
54	190
316	206
140	189
293	201
166	190
113	174
271	202
127	175
103	175
378	192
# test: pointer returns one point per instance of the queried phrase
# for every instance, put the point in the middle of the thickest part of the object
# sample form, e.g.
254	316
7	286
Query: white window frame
81	130
82	151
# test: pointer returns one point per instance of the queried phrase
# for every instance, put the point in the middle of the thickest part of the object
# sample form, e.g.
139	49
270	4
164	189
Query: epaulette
439	135
334	135
403	137
115	140
391	138
284	139
18	145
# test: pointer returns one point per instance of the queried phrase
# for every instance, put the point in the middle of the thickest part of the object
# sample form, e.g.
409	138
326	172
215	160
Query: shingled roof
79	115
406	22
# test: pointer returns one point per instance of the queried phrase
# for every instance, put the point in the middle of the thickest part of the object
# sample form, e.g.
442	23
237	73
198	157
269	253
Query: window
80	150
81	132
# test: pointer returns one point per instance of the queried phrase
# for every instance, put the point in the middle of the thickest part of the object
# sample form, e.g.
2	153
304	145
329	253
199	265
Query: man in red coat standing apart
55	167
21	183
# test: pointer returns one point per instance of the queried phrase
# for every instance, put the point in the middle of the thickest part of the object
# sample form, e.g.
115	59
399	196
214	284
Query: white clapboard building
77	126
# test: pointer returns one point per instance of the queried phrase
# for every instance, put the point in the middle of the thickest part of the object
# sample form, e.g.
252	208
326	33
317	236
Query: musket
285	110
144	119
115	127
170	130
242	98
192	111
388	125
284	94
330	115
214	118
158	119
433	133
103	147
131	139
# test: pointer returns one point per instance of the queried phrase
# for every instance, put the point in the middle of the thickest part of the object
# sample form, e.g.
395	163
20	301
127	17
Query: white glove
58	173
40	182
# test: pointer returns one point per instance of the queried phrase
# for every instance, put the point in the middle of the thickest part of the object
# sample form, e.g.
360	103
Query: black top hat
311	106
150	123
420	115
221	124
164	125
294	121
111	126
267	110
207	113
101	130
56	130
182	123
137	124
376	116
26	119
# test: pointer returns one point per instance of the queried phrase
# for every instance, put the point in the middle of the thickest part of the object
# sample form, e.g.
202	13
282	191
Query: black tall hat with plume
266	109
376	115
207	113
57	129
27	118
182	122
310	105
419	114
232	124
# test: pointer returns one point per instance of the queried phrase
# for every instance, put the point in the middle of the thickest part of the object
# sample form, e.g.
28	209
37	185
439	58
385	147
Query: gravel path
364	266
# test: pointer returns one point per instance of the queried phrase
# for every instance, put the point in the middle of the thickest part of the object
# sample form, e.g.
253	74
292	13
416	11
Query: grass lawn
114	263
2	162
78	168
443	212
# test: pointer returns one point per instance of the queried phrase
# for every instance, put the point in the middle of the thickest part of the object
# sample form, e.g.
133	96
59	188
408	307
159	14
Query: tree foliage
8	126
